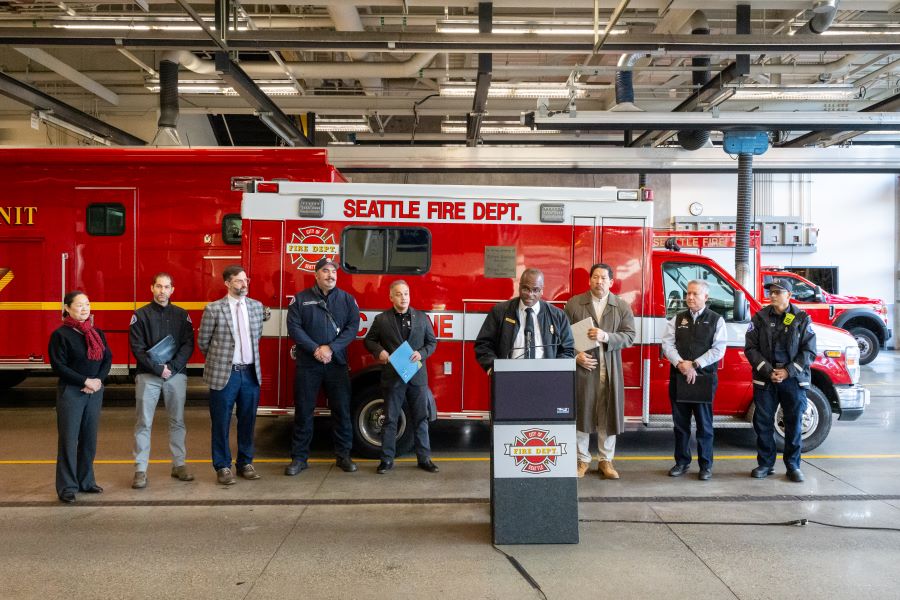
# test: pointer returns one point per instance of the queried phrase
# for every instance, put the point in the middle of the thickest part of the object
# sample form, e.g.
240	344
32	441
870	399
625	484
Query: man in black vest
389	330
694	342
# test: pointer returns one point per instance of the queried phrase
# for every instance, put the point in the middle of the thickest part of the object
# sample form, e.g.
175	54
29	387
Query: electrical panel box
793	234
772	234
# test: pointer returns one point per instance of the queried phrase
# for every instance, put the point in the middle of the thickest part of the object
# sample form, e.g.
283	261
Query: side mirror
820	295
741	307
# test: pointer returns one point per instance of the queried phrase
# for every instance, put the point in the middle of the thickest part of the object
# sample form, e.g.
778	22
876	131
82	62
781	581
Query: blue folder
401	363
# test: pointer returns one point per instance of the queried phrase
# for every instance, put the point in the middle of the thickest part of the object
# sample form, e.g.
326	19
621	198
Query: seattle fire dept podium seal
534	485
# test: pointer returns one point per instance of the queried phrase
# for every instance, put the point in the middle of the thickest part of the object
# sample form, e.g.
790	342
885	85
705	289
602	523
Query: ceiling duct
625	80
346	18
824	12
697	138
168	99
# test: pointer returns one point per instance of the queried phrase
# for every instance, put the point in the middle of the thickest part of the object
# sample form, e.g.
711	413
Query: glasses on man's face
530	290
774	292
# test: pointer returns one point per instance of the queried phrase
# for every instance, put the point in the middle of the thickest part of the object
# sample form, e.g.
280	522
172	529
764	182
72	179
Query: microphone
525	349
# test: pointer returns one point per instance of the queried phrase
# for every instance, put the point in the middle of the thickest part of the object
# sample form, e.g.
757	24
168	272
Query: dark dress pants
703	417
309	378
241	391
77	420
766	399
395	395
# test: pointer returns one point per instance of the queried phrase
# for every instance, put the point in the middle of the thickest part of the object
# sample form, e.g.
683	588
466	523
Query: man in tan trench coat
599	388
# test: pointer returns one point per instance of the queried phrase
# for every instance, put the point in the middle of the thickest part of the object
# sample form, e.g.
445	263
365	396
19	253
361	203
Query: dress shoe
427	465
384	466
583	468
796	475
140	480
761	472
249	472
67	497
606	470
295	467
181	473
96	489
225	476
346	464
705	475
679	470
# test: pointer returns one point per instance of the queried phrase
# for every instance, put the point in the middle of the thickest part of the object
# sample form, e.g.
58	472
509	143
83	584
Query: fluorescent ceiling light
812	92
507	90
269	87
349	125
467	26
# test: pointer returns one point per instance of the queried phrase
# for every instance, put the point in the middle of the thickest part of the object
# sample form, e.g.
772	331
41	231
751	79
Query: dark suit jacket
498	333
384	334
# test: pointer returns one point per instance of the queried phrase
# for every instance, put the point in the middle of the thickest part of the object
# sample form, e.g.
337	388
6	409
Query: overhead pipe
168	94
824	12
697	138
625	79
346	18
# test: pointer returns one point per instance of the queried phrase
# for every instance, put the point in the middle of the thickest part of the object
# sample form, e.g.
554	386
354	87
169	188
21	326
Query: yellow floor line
466	459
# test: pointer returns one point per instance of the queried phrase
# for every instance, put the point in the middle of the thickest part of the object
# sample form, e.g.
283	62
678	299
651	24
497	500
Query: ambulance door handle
62	292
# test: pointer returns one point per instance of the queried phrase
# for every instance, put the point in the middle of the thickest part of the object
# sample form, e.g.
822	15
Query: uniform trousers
681	418
148	388
792	398
395	395
77	421
309	378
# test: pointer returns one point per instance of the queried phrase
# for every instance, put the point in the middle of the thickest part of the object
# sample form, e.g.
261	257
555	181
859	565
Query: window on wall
386	250
105	219
676	277
231	229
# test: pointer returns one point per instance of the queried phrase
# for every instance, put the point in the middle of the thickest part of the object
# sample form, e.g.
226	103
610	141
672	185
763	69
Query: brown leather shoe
225	476
583	468
606	470
181	473
140	480
249	472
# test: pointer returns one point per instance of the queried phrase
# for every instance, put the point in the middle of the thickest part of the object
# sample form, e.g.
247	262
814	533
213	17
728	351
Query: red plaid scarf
94	342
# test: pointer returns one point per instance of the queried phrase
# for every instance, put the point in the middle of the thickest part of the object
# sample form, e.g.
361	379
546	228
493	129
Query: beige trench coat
618	321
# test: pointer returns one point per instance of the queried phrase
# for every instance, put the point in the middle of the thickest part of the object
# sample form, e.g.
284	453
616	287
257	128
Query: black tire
10	379
868	344
816	421
368	420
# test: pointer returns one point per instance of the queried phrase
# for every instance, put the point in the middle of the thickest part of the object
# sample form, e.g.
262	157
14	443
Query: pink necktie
243	335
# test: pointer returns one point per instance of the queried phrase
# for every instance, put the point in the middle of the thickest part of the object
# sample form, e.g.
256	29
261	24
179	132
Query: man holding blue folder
397	336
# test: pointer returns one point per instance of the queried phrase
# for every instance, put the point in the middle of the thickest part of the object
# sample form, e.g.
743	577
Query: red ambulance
461	249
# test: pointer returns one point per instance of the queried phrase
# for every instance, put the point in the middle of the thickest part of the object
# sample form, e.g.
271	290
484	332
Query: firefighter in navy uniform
780	347
694	342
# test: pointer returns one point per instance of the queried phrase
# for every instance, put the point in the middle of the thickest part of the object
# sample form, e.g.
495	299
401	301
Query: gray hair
704	286
398	282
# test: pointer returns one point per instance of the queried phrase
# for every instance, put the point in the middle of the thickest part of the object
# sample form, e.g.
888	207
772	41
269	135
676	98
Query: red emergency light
266	188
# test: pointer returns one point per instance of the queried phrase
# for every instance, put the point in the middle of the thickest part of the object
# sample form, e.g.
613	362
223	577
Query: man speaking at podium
524	327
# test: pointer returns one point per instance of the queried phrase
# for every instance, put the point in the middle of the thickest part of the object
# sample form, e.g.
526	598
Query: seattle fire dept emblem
308	245
534	451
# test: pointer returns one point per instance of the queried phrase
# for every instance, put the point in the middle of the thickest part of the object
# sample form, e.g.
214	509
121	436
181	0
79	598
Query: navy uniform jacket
314	319
498	333
800	341
384	334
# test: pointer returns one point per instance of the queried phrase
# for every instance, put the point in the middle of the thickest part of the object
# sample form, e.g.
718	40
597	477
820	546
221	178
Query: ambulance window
105	219
231	229
676	277
386	250
803	291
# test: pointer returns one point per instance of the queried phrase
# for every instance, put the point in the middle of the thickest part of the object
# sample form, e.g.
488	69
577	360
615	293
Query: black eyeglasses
530	290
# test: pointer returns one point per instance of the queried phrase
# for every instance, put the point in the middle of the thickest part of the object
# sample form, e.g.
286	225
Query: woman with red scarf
81	358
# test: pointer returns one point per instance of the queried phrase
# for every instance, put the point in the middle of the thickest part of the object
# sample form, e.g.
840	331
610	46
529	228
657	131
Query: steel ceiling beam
38	100
269	112
812	138
724	121
404	42
482	80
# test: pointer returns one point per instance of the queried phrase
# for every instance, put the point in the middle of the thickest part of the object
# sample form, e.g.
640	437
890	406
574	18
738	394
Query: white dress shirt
714	354
519	343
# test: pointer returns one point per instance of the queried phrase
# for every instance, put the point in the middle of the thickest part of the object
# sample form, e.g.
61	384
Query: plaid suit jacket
216	340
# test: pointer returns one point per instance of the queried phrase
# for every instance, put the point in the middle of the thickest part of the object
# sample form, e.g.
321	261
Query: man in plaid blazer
229	338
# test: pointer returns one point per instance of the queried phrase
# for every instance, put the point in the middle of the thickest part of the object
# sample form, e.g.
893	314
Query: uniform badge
189	319
133	319
788	318
684	321
750	327
508	320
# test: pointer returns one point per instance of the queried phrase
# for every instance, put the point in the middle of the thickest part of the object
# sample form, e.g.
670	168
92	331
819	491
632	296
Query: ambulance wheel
10	379
868	344
816	421
368	420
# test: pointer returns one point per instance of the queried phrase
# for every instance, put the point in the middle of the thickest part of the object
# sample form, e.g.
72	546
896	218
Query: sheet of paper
401	363
580	332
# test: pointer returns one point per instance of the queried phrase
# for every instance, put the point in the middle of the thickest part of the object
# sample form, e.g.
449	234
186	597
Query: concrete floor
410	534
